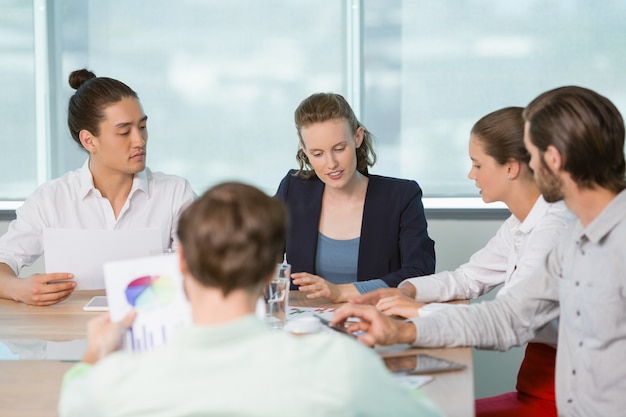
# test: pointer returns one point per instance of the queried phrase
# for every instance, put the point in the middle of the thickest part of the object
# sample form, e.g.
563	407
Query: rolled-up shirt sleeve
510	320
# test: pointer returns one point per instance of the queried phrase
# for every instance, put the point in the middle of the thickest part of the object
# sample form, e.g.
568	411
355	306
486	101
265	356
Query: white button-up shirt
72	202
512	255
584	276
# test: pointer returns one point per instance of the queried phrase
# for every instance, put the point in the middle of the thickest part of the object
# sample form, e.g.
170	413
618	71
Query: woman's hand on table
399	305
105	336
390	301
373	297
374	327
318	287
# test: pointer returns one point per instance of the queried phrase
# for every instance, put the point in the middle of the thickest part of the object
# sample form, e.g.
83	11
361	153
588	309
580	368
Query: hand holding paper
104	336
153	286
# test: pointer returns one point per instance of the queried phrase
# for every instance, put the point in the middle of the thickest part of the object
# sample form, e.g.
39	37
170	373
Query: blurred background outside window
220	80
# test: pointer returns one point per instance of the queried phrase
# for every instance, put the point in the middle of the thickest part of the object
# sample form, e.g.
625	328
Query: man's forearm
7	277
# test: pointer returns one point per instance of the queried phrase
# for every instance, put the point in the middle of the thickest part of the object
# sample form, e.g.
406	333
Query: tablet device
421	363
97	303
339	329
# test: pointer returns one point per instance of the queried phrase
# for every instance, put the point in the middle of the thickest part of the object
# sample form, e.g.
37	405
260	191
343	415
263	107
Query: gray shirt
584	276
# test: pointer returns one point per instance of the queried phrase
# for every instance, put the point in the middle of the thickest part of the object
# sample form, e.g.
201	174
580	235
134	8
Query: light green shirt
241	369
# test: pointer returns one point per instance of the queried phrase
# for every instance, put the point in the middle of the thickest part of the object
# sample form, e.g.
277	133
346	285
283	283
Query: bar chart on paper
153	287
150	293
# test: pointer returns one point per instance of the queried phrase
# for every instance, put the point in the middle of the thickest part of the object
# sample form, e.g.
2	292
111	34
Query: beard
550	185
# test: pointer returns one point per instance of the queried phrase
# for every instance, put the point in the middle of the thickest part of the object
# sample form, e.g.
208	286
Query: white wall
455	241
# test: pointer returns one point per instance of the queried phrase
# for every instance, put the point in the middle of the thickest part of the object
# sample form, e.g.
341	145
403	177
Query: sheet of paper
153	286
324	312
413	381
83	251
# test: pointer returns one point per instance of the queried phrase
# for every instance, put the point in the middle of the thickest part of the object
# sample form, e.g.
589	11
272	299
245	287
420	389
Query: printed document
82	252
153	286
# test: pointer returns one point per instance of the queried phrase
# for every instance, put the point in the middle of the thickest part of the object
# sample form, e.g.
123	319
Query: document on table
153	286
323	312
82	252
413	381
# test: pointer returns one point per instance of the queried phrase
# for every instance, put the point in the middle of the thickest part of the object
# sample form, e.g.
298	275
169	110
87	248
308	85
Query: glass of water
277	297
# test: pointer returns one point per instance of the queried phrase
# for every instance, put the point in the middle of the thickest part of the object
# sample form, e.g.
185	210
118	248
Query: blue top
336	260
394	242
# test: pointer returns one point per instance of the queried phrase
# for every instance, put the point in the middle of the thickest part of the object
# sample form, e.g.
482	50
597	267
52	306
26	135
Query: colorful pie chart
151	292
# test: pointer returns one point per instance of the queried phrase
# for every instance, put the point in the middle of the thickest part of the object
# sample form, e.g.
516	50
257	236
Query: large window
18	155
220	79
433	67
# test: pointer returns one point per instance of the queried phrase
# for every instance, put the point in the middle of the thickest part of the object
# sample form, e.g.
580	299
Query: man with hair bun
113	190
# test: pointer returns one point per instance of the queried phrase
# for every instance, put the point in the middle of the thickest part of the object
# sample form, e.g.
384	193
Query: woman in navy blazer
332	196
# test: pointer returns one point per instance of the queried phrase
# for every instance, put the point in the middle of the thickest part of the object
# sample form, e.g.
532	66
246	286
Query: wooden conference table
30	388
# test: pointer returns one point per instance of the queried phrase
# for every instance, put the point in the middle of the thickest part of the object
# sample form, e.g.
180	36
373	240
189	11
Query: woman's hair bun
78	77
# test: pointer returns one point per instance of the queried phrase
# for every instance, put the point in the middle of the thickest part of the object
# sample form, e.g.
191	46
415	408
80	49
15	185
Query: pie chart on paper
151	292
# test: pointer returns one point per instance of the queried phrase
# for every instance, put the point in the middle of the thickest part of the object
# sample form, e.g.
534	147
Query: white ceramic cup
304	325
